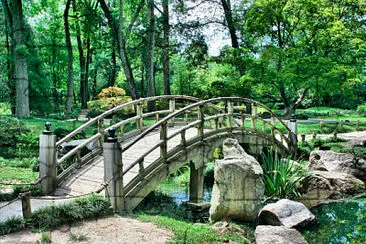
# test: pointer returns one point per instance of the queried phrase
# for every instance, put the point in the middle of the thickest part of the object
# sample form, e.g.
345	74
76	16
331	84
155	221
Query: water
342	222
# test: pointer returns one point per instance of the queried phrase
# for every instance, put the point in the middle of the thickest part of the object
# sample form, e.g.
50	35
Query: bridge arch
186	133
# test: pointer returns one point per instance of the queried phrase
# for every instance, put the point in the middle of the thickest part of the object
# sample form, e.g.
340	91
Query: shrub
53	216
17	162
281	176
111	91
94	112
11	130
361	109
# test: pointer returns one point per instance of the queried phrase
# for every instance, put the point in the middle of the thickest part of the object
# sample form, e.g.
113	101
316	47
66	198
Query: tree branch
133	20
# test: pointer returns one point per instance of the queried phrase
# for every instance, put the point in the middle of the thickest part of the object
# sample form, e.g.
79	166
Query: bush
11	130
18	163
361	109
281	177
89	207
94	112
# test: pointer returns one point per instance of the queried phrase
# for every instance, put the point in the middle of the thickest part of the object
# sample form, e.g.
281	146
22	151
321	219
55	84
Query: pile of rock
279	222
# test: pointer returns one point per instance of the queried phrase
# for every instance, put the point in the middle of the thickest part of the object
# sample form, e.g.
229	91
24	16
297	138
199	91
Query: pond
341	222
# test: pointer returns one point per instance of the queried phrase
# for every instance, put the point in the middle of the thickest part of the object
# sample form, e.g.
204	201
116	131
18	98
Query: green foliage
17	162
361	109
11	129
77	237
5	109
111	91
103	104
94	112
281	176
92	206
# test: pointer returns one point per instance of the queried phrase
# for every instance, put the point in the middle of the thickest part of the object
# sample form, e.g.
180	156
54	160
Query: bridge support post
113	171
47	160
172	110
196	184
293	134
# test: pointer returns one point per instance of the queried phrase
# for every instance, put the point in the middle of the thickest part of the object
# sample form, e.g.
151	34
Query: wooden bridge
151	145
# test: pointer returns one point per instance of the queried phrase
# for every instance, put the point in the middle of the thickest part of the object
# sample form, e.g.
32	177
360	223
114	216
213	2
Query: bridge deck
91	176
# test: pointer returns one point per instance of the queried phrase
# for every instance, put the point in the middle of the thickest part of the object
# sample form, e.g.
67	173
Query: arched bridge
150	145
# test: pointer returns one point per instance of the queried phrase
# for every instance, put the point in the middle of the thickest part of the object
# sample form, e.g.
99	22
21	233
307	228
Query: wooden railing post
202	119
163	141
113	171
254	115
47	160
171	110
242	119
140	120
230	111
26	204
101	131
183	138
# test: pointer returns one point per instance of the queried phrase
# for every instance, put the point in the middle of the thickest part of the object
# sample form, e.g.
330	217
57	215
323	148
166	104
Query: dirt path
114	229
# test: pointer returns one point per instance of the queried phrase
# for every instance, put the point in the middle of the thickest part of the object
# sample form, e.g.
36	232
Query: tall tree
16	26
166	47
150	84
70	58
121	37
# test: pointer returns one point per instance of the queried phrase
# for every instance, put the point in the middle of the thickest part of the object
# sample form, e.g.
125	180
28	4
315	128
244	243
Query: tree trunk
150	87
121	47
20	60
88	61
70	68
9	64
166	48
113	73
230	23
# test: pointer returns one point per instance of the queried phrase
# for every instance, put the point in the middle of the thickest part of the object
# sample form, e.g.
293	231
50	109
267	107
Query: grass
92	206
17	175
185	232
77	237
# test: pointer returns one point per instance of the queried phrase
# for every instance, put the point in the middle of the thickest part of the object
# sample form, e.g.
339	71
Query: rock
68	146
238	188
356	143
267	234
337	162
323	185
286	212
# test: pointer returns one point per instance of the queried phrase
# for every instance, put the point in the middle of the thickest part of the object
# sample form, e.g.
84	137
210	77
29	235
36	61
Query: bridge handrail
201	103
115	109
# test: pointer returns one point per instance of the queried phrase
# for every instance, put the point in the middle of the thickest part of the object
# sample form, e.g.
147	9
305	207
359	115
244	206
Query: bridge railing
224	121
74	155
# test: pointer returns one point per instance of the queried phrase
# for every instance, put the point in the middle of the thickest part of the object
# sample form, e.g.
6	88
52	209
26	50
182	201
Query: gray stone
322	185
286	212
337	162
356	143
238	188
68	146
267	234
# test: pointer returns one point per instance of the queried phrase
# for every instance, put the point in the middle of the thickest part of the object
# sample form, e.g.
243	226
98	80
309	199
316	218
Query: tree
166	47
302	47
150	83
16	27
70	69
121	37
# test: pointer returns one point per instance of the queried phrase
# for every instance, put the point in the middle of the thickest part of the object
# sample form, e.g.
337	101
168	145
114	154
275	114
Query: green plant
77	237
46	238
281	176
11	129
361	109
94	112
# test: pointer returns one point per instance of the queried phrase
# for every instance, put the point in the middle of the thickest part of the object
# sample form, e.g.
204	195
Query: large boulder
238	188
68	146
320	186
286	212
267	234
338	162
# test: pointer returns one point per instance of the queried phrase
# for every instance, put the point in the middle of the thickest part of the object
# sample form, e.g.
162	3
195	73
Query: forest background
55	56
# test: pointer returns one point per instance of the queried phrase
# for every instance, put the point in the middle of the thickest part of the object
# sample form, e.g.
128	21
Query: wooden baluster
202	119
172	110
78	158
141	168
163	140
183	138
230	111
217	123
140	120
242	119
121	133
101	131
254	115
264	126
156	118
186	117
